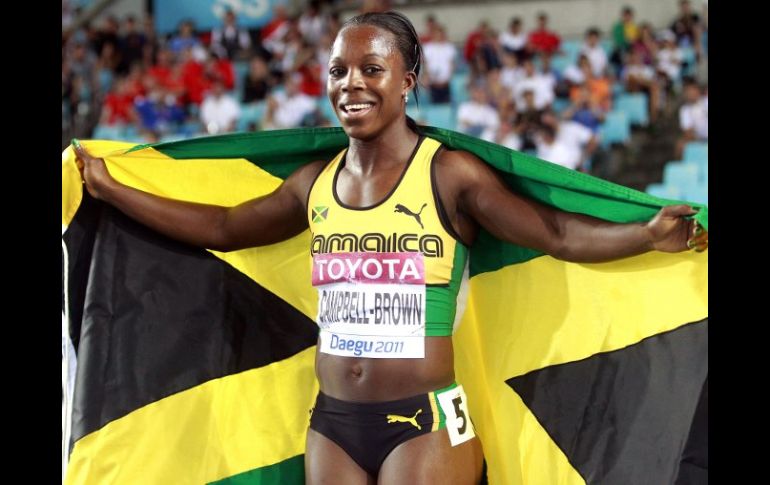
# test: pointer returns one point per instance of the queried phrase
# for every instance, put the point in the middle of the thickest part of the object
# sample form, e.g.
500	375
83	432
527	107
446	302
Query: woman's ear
410	81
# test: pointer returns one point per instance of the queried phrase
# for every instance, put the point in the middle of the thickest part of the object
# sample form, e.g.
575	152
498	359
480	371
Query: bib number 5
454	404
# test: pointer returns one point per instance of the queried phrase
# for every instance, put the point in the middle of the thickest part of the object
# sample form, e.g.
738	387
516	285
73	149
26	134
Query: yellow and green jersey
387	275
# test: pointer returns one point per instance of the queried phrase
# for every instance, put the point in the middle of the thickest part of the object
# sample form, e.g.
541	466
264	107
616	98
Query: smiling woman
392	217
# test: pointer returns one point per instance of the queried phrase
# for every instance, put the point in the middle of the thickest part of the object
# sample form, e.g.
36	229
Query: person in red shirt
542	40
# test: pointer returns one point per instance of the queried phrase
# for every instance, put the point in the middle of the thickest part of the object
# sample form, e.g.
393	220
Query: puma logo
404	210
395	418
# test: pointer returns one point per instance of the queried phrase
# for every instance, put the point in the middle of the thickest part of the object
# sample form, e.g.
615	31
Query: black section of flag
160	317
624	416
79	240
694	469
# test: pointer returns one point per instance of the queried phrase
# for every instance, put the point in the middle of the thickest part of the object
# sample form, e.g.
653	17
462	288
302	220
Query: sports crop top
387	275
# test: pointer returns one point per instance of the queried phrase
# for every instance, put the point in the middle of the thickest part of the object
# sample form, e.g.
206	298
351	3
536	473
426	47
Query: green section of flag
287	472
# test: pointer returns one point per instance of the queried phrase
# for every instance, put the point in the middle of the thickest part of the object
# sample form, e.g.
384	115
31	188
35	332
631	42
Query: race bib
371	304
454	404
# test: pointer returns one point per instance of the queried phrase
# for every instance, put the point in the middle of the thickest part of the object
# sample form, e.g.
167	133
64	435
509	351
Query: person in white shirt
514	40
439	55
219	110
311	22
477	117
670	57
566	143
541	86
594	51
693	116
288	108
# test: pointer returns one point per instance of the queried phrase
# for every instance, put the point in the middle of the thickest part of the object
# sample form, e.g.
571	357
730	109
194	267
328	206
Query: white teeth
358	106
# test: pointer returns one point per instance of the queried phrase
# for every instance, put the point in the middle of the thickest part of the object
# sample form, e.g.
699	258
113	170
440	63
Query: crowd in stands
523	87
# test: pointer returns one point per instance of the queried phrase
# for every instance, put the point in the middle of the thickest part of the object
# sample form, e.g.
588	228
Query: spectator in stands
528	120
541	40
584	110
219	111
289	108
594	51
273	32
151	44
473	41
430	29
487	58
541	87
624	33
186	39
639	77
600	88
311	23
159	110
573	74
192	75
109	35
646	45
161	70
118	108
687	27
514	40
508	136
669	57
218	65
257	81
439	55
229	39
310	71
131	45
477	117
511	72
566	143
693	116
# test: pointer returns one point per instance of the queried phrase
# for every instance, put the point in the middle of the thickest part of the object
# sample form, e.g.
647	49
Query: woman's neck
391	147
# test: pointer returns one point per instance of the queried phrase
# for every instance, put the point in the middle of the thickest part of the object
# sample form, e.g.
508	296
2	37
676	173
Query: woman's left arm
484	197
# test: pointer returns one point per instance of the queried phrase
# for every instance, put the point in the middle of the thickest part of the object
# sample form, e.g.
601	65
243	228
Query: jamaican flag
182	365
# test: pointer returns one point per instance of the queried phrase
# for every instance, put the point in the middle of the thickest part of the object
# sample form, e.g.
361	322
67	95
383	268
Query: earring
406	97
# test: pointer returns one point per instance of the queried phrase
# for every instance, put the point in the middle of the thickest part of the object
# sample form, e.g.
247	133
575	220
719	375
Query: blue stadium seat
251	113
108	132
416	114
617	89
702	168
327	110
688	61
696	151
560	104
560	62
635	106
440	115
571	49
615	129
240	68
458	86
697	193
680	174
664	191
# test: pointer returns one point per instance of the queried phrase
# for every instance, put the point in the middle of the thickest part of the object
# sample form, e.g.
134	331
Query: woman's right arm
272	218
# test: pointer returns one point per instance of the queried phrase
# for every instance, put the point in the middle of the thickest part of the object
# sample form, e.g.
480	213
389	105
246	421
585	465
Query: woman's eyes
339	71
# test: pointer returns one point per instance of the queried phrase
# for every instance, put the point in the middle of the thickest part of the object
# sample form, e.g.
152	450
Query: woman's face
367	80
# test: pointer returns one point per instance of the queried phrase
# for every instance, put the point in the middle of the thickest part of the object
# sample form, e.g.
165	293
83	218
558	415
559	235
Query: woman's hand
671	232
93	171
